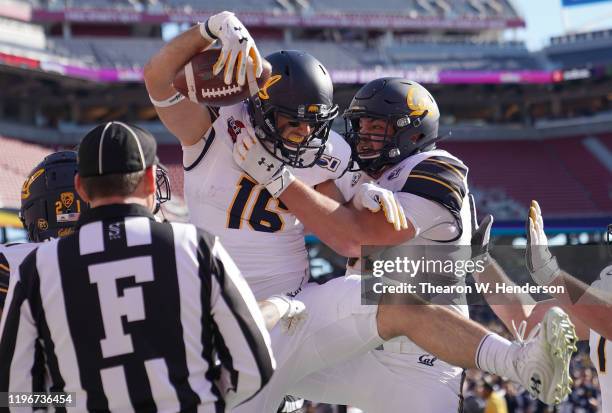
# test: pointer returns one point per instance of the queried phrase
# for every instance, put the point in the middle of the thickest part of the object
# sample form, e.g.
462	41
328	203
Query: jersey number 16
261	218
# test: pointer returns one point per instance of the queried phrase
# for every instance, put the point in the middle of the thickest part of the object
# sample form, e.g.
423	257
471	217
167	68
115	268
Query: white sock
495	355
281	303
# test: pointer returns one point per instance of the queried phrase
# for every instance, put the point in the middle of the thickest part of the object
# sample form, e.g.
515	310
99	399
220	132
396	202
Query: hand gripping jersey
263	238
601	349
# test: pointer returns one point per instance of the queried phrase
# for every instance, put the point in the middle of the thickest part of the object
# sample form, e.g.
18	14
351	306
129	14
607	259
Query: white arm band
172	100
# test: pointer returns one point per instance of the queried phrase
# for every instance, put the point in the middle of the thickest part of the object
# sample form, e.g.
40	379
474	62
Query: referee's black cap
116	148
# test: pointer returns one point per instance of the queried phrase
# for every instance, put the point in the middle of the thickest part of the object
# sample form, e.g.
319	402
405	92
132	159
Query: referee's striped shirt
131	314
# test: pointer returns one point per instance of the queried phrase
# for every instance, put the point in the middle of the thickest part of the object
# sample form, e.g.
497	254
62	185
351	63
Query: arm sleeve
347	184
431	220
18	334
243	343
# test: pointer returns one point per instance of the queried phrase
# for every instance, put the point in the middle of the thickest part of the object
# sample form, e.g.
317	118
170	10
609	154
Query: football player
393	128
588	306
50	207
239	186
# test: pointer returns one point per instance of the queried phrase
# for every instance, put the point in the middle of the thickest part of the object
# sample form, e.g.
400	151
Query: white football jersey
265	240
601	349
432	189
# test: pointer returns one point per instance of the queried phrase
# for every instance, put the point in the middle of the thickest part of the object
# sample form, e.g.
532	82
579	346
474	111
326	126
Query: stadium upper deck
581	49
468	15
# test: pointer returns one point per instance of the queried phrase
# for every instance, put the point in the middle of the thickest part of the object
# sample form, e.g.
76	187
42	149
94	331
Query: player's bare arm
343	228
508	307
516	307
590	304
187	120
590	309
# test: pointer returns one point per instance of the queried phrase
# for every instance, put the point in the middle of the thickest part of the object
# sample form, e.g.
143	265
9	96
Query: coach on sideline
131	312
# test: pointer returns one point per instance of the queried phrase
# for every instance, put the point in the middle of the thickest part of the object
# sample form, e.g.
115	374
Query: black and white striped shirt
131	314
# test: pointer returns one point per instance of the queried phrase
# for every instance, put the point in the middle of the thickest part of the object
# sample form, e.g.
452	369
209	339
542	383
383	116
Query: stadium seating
412	8
560	173
585	169
581	49
134	53
471	55
17	160
171	157
107	52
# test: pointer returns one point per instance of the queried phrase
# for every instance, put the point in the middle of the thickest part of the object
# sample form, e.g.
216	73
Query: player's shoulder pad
442	179
337	155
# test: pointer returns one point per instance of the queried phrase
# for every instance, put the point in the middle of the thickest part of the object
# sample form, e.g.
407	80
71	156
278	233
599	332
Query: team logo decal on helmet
67	199
50	206
300	91
421	102
25	189
42	224
263	92
411	119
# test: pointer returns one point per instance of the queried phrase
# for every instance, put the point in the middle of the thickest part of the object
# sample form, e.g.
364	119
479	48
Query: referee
132	314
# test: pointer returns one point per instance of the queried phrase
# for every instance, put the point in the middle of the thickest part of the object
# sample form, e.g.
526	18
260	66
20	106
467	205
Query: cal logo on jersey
395	173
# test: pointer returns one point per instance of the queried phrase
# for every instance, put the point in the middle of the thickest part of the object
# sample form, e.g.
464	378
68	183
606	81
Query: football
197	83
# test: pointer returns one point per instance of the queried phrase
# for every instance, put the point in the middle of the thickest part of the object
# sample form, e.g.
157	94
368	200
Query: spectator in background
494	401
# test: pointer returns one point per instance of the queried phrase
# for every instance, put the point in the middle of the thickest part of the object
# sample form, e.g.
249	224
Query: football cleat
542	364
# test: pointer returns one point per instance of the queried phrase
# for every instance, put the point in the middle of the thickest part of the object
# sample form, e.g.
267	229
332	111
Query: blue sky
544	19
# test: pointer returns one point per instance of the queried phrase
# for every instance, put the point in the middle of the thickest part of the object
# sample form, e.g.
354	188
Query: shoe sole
561	337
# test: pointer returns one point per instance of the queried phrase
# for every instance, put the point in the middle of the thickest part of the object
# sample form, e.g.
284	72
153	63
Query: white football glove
542	265
374	197
236	46
293	312
250	155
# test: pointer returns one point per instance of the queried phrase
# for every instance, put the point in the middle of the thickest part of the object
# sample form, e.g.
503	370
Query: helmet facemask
297	153
399	140
162	187
411	116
